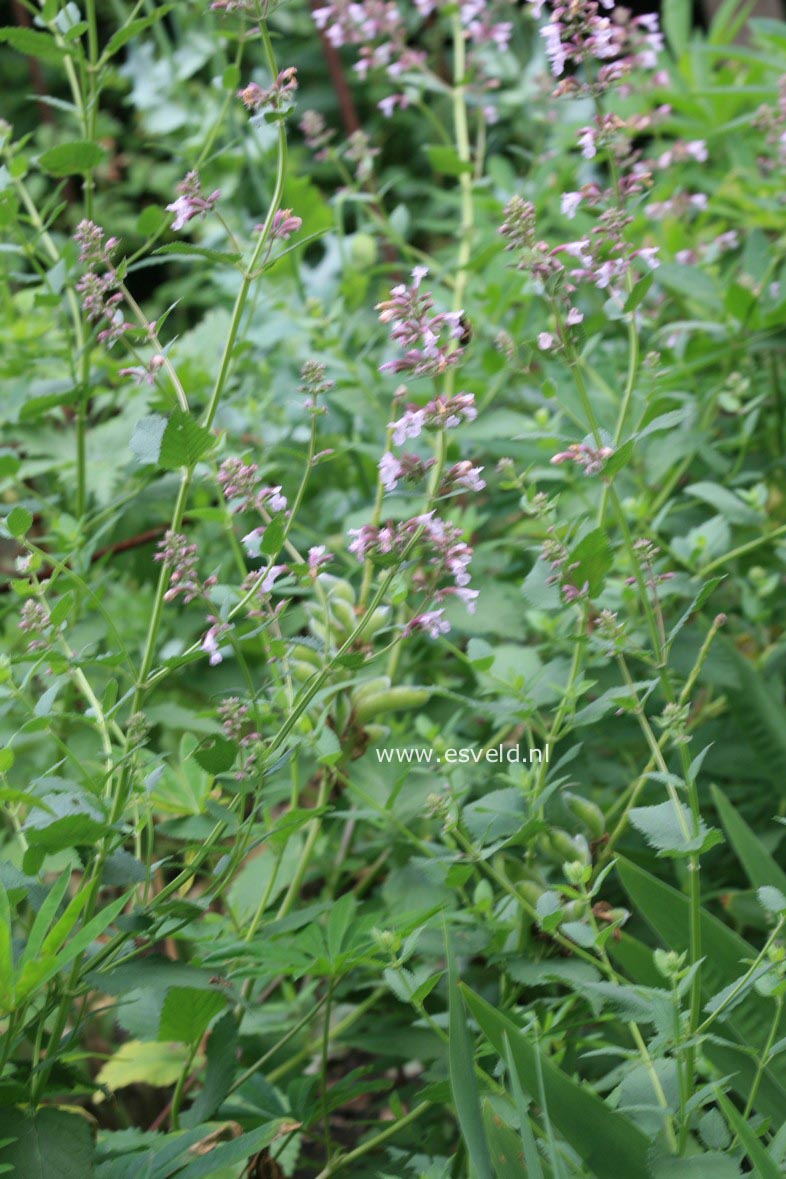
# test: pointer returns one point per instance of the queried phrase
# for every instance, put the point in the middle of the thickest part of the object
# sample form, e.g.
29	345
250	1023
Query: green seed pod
376	733
530	891
307	655
301	671
588	813
370	687
378	703
362	251
337	587
566	847
483	896
342	614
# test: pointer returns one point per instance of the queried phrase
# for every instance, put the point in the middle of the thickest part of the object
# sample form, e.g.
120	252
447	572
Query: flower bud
588	813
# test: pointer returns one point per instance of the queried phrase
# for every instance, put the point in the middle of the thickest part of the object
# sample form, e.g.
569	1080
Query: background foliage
235	937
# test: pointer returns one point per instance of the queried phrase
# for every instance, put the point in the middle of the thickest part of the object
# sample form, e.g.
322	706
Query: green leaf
725	502
146	438
69	158
446	160
45	916
18	521
6	953
638	292
760	867
46	1143
144	1062
70	820
760	718
273	538
597	1133
725	956
701	597
238	1151
186	1013
461	1066
133	29
184	441
34	44
676	18
507	1157
216	756
187	250
593	556
671	830
762	1162
219	1073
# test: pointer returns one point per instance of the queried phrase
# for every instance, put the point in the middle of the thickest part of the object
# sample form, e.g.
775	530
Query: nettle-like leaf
593	556
46	1142
670	829
171	443
186	1013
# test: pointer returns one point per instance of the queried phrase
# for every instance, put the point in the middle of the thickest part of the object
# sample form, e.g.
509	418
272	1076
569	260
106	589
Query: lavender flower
180	558
441	413
421	334
191	203
255	97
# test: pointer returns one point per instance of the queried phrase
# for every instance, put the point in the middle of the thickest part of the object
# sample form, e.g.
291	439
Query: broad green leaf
183	442
725	957
594	1130
760	867
133	29
507	1157
70	820
144	1062
671	830
461	1066
146	439
760	718
593	556
69	158
42	46
186	1013
446	160
47	1143
18	521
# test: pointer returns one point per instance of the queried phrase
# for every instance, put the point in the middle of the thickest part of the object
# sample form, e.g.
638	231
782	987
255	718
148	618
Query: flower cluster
98	286
421	334
602	259
441	413
180	559
441	552
240	483
315	132
578	32
256	98
557	556
585	455
191	203
35	621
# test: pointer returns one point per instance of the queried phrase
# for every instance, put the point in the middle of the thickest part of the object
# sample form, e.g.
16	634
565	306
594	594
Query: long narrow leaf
760	867
602	1137
462	1075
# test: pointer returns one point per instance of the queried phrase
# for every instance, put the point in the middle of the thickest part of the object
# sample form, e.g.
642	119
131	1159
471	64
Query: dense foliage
393	753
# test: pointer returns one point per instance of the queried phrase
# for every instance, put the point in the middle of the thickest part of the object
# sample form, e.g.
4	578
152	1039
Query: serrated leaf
593	557
70	820
146	438
186	1013
66	159
219	1073
670	829
46	1143
217	755
18	521
31	43
184	441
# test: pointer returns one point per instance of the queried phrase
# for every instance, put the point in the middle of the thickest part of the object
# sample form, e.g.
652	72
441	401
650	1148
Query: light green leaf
68	158
671	830
144	1062
186	1013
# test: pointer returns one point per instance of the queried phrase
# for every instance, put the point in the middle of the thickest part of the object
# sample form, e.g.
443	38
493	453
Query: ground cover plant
393	747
